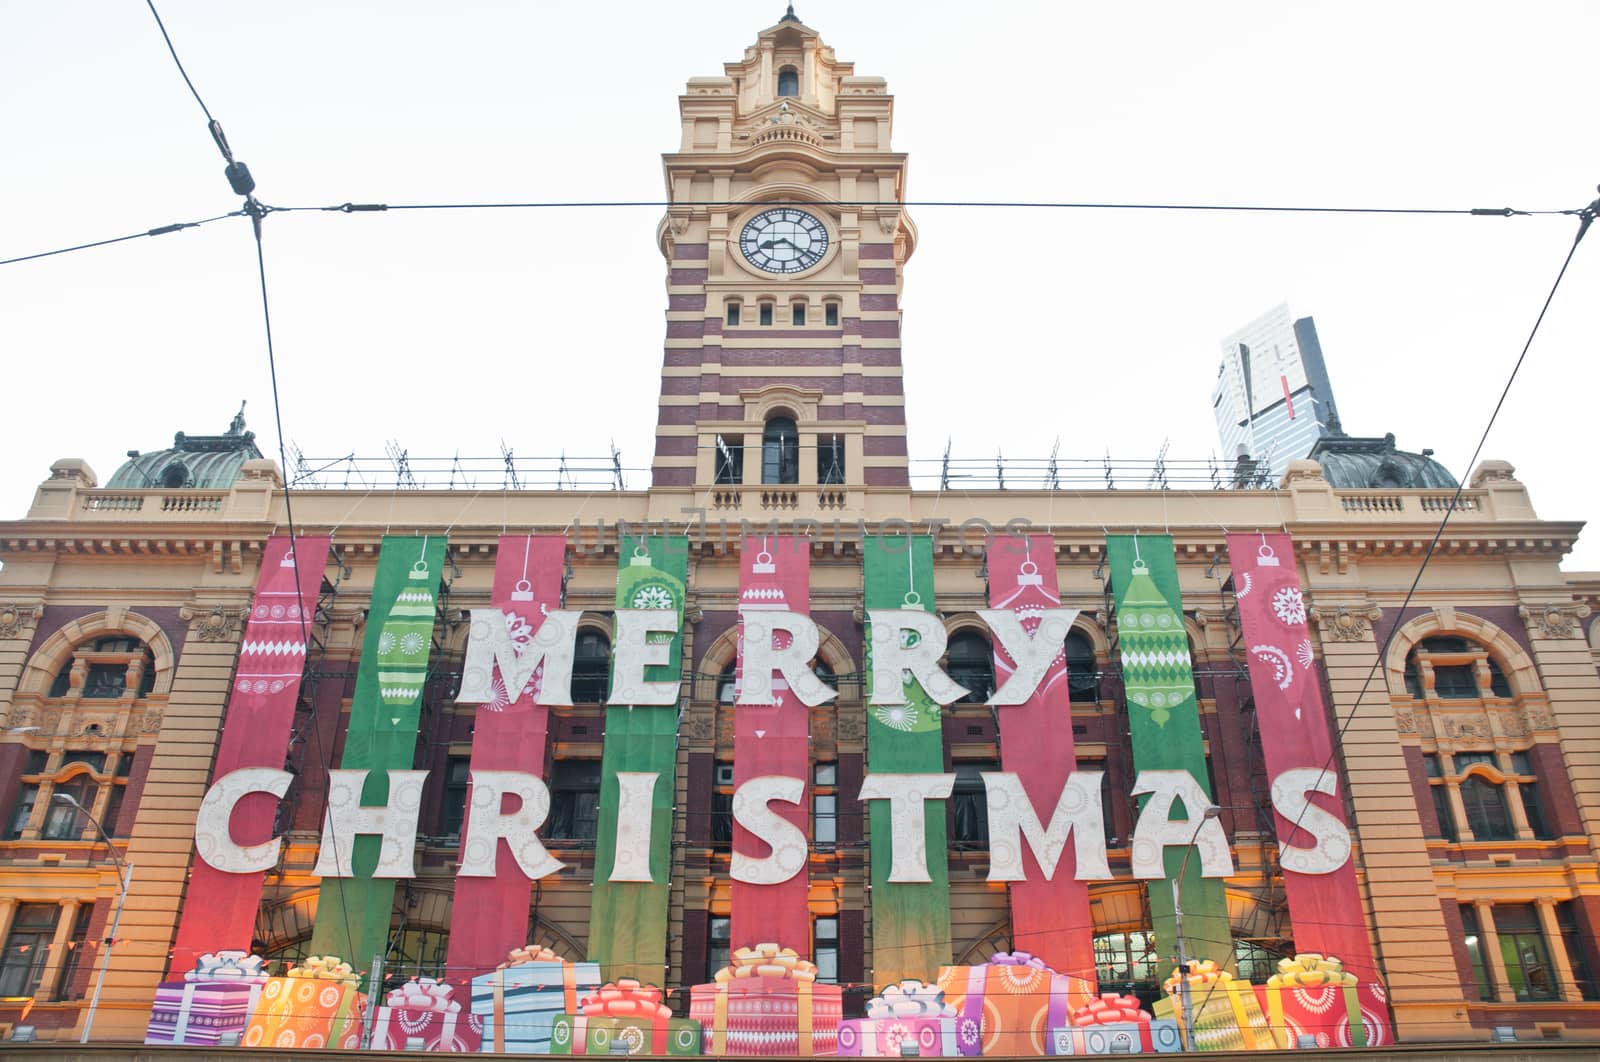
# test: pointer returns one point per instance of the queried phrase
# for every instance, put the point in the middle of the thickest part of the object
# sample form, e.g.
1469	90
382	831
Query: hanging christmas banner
369	820
1319	877
219	912
771	739
1049	910
1164	720
489	915
628	920
905	736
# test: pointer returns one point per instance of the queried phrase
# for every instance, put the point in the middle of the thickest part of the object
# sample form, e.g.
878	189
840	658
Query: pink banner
774	575
219	910
489	916
1297	732
1050	919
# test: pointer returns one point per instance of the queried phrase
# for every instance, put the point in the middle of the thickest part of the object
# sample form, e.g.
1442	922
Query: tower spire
789	15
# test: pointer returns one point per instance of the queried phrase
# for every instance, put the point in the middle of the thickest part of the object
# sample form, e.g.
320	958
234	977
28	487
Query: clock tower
781	391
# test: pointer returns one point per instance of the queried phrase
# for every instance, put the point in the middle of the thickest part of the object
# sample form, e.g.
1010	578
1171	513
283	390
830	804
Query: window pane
831	314
1533	808
1487	814
824	825
766	313
1456	681
798	313
26	798
1447	817
453	806
1430	766
969	806
780	452
825	774
971	664
733	313
25	952
1577	949
1522	946
106	680
1473	941
591	668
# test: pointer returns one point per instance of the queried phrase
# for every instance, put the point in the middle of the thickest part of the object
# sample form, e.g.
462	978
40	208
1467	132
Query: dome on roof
197	462
1373	463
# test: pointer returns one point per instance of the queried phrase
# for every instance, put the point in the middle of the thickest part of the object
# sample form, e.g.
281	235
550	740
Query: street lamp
1211	812
124	875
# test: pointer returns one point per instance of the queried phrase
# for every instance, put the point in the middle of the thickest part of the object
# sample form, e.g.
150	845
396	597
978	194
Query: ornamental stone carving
15	619
1405	722
1553	621
151	722
1344	624
219	624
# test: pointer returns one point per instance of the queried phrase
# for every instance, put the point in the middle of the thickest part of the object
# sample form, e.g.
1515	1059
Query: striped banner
628	921
910	921
489	916
774	574
219	909
1051	918
354	913
1297	734
1164	719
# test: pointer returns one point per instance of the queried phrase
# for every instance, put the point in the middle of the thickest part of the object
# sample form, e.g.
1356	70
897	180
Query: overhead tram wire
1586	217
161	230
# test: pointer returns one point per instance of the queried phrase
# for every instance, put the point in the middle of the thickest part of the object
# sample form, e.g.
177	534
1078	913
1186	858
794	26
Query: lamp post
1211	812
124	875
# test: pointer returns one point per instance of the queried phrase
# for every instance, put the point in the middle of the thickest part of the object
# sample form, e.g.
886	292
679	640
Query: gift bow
1110	1008
910	999
326	968
530	953
1311	970
1017	958
626	998
1202	972
768	960
423	993
228	966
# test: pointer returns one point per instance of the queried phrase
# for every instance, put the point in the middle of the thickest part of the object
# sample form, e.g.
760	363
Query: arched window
780	452
971	664
591	668
727	684
1487	813
825	673
1083	674
788	81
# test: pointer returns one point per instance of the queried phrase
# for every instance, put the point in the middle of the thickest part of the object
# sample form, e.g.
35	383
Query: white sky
448	332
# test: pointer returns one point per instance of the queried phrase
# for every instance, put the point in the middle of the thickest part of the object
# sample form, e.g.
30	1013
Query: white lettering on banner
488	824
634	651
908	639
347	819
1291	798
1013	820
630	859
491	645
1156	829
908	795
213	829
787	841
762	657
1031	653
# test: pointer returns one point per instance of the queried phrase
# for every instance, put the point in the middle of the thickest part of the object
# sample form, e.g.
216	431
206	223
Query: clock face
783	240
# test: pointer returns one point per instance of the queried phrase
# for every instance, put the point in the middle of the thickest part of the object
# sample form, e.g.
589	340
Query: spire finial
237	425
789	15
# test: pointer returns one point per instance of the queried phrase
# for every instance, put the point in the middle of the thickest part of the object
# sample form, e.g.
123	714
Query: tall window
63	821
971	664
825	950
780	451
825	804
729	460
1526	954
574	800
733	312
1127	962
27	949
969	806
1574	939
830	459
830	314
788	81
1528	790
722	807
1083	674
591	668
453	807
1472	937
719	948
1488	816
75	954
764	313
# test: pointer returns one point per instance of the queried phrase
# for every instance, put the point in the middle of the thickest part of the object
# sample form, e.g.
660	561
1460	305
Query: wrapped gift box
518	1001
316	1005
767	1002
1227	1014
426	1008
216	997
1114	1024
1313	994
628	1013
910	1010
1008	1005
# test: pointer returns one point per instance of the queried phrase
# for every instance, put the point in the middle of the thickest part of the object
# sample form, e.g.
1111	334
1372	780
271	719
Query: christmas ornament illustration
1155	648
403	642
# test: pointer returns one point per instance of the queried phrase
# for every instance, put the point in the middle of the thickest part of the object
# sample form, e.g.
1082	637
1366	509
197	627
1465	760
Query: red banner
1048	918
774	575
1297	733
219	910
489	916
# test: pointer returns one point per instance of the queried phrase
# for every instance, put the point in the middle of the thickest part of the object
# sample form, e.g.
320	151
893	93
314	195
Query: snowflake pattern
653	597
1289	606
411	643
386	642
1303	652
898	716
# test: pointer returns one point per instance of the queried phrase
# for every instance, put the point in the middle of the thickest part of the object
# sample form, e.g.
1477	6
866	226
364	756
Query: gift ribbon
181	1030
910	999
764	960
1309	970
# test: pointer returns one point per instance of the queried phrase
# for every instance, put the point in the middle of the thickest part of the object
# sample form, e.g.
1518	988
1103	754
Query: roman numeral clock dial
783	240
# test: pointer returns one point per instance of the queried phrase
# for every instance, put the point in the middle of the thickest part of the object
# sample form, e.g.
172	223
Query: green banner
353	914
628	919
1164	720
910	921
